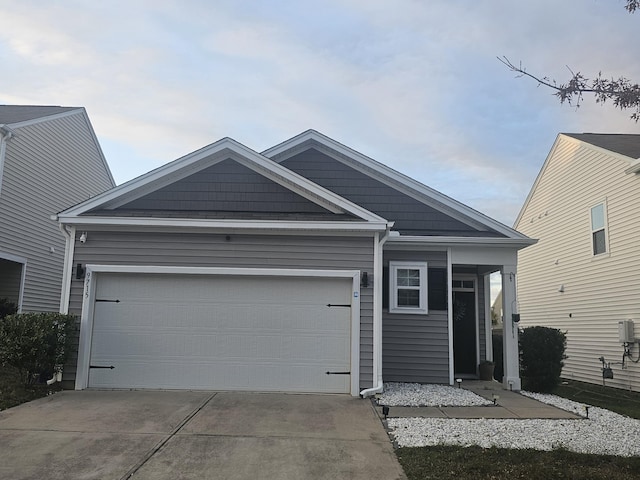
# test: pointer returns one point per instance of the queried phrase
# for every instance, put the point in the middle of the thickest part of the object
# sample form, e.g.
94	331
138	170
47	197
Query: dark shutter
385	287
437	285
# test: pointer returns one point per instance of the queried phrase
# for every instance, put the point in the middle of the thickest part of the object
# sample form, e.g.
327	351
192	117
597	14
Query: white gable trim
391	177
554	147
46	118
203	158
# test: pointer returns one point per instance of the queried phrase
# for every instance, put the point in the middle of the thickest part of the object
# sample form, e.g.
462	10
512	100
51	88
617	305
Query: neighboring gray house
582	276
308	267
50	159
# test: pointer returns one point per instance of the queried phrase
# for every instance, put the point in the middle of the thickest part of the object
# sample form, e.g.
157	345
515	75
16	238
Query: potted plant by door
486	369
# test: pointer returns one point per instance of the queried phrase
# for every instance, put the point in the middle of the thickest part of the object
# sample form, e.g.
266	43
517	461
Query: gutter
181	223
634	168
377	315
434	240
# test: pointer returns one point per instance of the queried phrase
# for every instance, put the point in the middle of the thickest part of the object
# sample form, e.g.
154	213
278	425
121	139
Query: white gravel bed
418	395
604	432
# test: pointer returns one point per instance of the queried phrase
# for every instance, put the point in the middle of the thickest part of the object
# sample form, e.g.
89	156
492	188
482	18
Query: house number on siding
87	282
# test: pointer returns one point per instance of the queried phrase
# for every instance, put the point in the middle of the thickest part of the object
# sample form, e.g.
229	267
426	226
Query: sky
413	84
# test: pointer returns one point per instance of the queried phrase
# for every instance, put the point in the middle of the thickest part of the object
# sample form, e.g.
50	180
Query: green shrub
35	343
541	358
7	308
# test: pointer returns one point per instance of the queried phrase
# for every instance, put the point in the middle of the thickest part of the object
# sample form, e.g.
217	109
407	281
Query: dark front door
464	332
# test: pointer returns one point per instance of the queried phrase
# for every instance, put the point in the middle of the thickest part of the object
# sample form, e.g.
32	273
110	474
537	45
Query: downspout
5	135
450	315
70	241
377	314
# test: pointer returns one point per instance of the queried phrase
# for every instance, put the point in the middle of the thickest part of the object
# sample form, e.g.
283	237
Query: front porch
450	339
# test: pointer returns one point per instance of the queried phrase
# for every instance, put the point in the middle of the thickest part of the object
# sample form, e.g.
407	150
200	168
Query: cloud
415	85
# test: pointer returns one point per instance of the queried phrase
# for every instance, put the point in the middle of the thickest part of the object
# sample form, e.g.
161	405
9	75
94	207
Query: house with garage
309	267
582	275
50	159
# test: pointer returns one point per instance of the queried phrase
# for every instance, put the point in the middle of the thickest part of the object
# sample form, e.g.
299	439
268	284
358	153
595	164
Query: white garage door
221	333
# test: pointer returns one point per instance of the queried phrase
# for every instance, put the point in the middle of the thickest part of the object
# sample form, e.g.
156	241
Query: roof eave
174	223
434	240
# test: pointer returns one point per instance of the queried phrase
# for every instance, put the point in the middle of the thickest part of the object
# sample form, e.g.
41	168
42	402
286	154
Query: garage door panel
203	332
196	375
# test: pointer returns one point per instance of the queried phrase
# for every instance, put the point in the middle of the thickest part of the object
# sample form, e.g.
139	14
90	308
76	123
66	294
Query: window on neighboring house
598	229
408	287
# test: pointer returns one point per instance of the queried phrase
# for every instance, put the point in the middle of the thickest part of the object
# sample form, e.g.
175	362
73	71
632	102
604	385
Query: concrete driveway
194	435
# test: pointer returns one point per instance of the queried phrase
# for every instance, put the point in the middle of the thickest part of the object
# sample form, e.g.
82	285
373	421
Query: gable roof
390	177
18	116
624	144
198	161
625	147
14	114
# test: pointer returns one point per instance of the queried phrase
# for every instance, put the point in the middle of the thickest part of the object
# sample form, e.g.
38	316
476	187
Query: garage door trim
88	302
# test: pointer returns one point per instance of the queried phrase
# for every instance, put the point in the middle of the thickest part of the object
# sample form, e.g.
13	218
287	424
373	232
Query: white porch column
511	379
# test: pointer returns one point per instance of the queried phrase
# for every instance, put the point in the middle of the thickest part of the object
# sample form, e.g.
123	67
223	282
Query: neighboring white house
50	160
583	275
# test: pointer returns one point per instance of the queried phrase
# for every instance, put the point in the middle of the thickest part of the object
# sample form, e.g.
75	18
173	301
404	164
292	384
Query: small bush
35	343
541	358
7	308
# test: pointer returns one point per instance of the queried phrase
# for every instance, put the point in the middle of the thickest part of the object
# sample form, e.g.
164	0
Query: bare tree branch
632	5
622	92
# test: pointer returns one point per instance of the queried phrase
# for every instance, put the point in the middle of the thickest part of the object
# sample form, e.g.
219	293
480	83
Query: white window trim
605	228
423	308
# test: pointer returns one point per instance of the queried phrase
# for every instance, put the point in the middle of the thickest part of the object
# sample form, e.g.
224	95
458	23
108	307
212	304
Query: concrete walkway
143	435
507	405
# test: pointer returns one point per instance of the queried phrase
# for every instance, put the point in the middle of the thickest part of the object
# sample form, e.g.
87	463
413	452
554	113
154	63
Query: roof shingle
624	144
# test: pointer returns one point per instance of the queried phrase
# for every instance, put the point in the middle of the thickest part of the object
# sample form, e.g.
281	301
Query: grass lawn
617	400
449	462
13	391
477	463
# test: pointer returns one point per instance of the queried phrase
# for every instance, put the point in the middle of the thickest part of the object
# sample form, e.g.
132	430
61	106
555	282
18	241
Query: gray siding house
50	159
582	275
308	267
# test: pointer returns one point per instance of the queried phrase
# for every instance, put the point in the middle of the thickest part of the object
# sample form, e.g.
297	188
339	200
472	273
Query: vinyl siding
214	250
225	187
415	348
411	216
49	166
598	291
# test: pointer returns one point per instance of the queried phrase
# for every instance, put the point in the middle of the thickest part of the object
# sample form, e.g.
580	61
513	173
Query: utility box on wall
625	331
